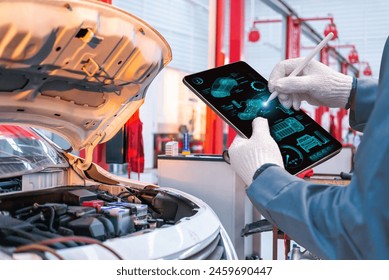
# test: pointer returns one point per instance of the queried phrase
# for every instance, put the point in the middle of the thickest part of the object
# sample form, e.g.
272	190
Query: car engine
67	217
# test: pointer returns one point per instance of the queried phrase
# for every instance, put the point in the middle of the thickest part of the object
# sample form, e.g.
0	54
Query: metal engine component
92	213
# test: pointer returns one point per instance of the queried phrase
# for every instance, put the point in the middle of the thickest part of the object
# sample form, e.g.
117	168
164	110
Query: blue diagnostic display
238	94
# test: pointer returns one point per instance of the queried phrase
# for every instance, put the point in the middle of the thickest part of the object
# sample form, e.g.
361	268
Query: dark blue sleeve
336	222
365	97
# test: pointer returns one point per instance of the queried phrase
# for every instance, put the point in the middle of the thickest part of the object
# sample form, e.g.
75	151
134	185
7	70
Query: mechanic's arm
308	213
320	85
333	222
362	103
313	215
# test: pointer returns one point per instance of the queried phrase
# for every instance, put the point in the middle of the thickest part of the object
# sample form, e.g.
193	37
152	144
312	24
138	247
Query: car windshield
23	151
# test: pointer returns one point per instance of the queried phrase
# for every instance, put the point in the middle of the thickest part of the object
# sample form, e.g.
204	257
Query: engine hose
13	240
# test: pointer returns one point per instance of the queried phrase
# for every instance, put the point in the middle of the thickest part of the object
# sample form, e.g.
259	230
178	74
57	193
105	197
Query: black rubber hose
13	240
21	233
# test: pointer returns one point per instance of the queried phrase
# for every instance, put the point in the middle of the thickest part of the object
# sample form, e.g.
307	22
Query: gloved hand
247	155
317	83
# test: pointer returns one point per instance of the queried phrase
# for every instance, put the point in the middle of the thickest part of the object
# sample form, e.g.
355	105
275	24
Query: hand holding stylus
304	62
316	83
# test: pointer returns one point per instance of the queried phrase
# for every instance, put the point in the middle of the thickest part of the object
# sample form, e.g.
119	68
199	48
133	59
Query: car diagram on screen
285	128
308	142
254	108
285	110
222	87
323	139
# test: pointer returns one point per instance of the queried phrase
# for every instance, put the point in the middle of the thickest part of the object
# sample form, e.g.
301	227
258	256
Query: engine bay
65	217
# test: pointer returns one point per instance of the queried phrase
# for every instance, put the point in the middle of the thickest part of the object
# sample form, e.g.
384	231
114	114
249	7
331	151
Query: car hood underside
77	68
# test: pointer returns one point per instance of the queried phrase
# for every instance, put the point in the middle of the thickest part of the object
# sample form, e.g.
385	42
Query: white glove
317	83
247	155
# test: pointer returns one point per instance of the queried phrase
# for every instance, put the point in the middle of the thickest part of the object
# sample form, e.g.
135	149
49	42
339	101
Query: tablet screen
238	94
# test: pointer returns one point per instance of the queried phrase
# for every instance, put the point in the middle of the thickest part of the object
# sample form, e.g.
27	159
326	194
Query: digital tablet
238	94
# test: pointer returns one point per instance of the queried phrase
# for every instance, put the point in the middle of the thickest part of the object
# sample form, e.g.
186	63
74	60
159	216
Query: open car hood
77	68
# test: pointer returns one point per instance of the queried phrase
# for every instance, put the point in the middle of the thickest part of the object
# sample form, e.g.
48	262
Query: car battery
138	210
120	218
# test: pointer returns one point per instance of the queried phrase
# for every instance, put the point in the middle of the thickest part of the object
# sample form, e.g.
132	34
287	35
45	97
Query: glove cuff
341	86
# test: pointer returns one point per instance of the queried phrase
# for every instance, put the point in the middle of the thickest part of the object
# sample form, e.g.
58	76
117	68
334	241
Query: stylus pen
305	62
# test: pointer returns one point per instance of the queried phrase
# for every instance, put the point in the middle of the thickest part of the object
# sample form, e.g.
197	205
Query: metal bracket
90	67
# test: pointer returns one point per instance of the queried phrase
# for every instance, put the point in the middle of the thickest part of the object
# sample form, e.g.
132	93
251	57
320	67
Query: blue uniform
336	222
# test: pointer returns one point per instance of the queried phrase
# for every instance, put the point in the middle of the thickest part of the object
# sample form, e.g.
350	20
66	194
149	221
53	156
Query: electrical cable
21	233
37	247
33	219
132	191
79	239
123	193
52	215
21	210
46	234
41	226
12	240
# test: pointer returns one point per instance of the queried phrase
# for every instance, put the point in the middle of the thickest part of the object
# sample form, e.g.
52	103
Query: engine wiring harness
84	216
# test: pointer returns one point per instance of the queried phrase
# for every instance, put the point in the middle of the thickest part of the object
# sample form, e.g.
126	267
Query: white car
81	69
